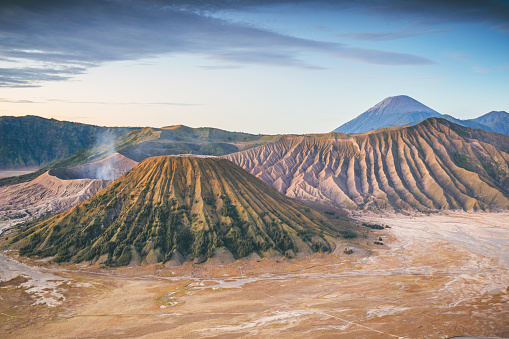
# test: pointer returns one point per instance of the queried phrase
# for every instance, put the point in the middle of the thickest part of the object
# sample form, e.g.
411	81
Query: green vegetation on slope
184	205
36	141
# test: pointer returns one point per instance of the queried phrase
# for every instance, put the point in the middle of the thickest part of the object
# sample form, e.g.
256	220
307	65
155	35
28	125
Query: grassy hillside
35	141
184	206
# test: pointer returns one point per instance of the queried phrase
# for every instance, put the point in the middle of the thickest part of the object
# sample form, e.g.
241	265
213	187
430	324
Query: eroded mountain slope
58	189
172	207
433	165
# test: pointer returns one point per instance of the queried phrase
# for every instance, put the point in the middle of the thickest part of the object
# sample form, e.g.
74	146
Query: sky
269	67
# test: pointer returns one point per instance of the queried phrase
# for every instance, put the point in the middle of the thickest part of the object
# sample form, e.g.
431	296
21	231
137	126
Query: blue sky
252	66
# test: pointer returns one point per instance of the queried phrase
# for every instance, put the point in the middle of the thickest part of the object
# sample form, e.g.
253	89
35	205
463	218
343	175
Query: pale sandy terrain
16	172
58	190
436	277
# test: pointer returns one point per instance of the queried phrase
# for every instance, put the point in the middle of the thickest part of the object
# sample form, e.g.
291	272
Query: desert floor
435	276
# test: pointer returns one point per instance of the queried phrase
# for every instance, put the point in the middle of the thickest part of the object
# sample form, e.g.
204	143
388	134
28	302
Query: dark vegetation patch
373	226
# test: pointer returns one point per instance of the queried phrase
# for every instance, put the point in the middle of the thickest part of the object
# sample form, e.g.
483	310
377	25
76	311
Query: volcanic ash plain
434	276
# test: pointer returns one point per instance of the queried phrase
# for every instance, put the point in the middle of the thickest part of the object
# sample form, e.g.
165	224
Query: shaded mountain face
467	123
35	141
171	207
393	111
431	166
497	121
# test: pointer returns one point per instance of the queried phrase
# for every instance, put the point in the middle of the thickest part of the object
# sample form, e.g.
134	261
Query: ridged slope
434	165
173	206
59	189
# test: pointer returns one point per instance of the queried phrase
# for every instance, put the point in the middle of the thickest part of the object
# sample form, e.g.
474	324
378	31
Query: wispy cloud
376	57
384	36
491	13
60	39
266	58
31	77
65	38
10	101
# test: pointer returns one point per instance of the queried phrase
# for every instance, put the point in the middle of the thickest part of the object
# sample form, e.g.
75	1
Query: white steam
105	144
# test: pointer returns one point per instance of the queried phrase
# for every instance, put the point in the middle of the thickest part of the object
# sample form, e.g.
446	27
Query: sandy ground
58	190
435	277
17	172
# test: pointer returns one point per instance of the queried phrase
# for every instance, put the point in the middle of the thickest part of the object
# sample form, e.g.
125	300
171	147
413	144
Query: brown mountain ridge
434	165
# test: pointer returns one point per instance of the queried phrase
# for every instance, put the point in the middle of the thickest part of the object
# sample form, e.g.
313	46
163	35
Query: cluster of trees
373	226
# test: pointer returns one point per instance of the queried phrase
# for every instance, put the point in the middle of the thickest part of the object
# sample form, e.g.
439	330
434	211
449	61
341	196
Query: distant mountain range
32	141
49	143
403	110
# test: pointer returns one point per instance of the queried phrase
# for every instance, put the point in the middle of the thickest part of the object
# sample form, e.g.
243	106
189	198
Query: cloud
266	58
376	57
384	36
10	101
31	77
65	38
491	13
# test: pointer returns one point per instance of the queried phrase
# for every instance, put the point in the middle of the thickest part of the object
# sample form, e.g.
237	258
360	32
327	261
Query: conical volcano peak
400	110
174	207
399	104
